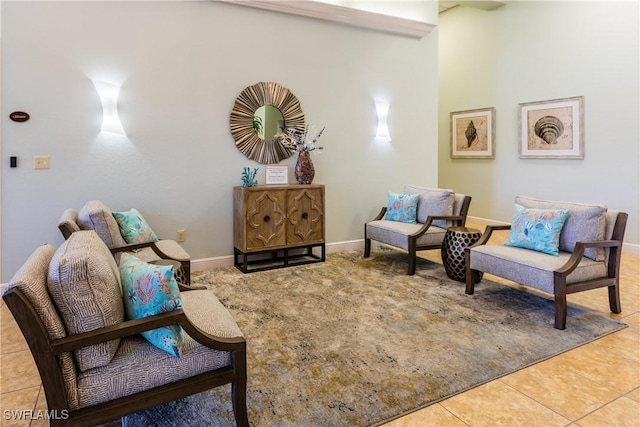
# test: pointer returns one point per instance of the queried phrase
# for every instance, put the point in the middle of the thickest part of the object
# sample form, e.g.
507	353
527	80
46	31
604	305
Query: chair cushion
396	233
69	220
531	268
95	215
152	289
84	283
401	207
139	366
432	201
537	229
133	227
585	222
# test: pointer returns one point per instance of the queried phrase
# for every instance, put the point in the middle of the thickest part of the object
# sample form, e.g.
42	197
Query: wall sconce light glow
108	94
383	131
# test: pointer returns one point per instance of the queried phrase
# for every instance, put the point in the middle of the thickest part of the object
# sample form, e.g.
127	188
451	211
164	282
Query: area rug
357	342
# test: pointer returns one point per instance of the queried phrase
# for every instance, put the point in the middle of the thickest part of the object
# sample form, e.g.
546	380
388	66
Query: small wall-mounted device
13	161
19	116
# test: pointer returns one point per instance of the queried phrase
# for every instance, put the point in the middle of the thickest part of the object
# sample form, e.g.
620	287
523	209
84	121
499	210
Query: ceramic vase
304	168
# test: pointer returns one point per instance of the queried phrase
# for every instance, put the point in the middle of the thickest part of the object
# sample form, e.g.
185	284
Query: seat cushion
139	366
97	216
84	283
432	201
396	233
585	222
169	247
531	268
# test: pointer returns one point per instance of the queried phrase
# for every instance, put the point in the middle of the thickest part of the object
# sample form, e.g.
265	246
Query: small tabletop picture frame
473	134
552	129
277	174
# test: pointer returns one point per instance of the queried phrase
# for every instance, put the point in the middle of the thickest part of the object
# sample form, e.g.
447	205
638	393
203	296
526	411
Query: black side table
456	239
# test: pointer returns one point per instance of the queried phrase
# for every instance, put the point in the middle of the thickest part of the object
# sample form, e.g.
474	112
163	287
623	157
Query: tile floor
595	385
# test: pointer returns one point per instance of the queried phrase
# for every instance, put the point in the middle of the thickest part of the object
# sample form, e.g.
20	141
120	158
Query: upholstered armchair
95	215
424	227
94	365
575	254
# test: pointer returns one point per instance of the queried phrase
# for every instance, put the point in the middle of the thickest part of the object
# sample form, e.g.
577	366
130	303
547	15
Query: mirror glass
258	117
268	122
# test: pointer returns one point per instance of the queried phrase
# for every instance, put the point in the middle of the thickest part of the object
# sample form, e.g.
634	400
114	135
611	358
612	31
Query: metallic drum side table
456	239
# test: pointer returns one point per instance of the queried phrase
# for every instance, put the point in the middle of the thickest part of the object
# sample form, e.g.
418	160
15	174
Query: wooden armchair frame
413	247
561	287
44	352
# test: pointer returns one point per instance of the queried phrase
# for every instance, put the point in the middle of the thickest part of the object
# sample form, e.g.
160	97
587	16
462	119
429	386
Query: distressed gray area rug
355	342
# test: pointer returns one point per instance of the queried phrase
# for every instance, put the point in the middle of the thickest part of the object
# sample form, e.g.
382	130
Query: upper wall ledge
343	15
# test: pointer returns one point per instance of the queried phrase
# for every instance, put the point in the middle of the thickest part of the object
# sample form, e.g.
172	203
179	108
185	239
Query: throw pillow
585	222
152	289
401	207
134	228
537	229
84	283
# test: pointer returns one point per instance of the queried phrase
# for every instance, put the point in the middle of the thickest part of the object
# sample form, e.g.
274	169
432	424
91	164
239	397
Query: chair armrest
381	214
135	246
134	327
578	253
488	231
184	287
430	220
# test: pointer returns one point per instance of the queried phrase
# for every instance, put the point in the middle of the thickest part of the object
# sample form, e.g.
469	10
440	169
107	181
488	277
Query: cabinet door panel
266	219
305	213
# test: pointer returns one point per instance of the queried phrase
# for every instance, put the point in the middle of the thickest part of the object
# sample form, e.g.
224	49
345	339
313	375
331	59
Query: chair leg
470	283
561	311
412	257
367	247
186	269
239	389
614	298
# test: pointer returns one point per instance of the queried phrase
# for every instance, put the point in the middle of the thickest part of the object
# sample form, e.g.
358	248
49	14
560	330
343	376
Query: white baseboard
628	248
227	260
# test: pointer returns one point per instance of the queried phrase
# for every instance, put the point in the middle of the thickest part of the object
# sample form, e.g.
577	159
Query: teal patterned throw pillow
152	289
134	228
402	207
537	229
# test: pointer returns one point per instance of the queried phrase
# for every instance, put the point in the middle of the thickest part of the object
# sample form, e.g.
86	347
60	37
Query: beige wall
534	51
181	66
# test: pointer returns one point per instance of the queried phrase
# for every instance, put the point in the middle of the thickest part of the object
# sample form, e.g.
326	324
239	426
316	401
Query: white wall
533	51
181	66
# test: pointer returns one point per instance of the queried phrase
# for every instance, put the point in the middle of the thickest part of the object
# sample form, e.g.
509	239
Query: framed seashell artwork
552	129
473	134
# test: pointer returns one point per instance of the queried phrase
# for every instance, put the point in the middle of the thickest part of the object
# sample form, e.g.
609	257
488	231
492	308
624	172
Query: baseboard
628	248
227	260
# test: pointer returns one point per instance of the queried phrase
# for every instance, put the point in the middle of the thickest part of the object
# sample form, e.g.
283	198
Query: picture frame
552	129
473	134
276	174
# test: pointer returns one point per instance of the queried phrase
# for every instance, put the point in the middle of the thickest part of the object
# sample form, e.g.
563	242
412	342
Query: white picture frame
277	174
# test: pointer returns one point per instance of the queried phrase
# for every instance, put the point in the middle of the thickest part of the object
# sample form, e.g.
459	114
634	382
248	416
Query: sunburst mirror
259	114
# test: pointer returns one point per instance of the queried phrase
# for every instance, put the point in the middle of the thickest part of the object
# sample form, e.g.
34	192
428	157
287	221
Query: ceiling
478	4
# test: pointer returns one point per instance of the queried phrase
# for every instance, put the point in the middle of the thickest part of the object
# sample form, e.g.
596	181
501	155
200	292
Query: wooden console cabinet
277	226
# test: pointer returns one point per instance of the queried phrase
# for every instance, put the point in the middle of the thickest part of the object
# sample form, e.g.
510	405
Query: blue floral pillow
152	289
402	207
537	229
134	228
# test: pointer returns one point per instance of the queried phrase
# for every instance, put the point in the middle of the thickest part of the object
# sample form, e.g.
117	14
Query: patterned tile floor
595	385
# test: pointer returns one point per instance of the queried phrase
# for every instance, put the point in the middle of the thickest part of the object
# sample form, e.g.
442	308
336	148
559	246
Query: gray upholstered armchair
437	209
589	248
94	365
95	215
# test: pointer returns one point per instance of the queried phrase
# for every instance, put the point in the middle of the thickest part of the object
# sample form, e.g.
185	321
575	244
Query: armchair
437	209
95	215
590	247
83	388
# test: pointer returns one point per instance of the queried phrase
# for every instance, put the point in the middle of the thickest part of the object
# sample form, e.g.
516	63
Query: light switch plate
41	162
